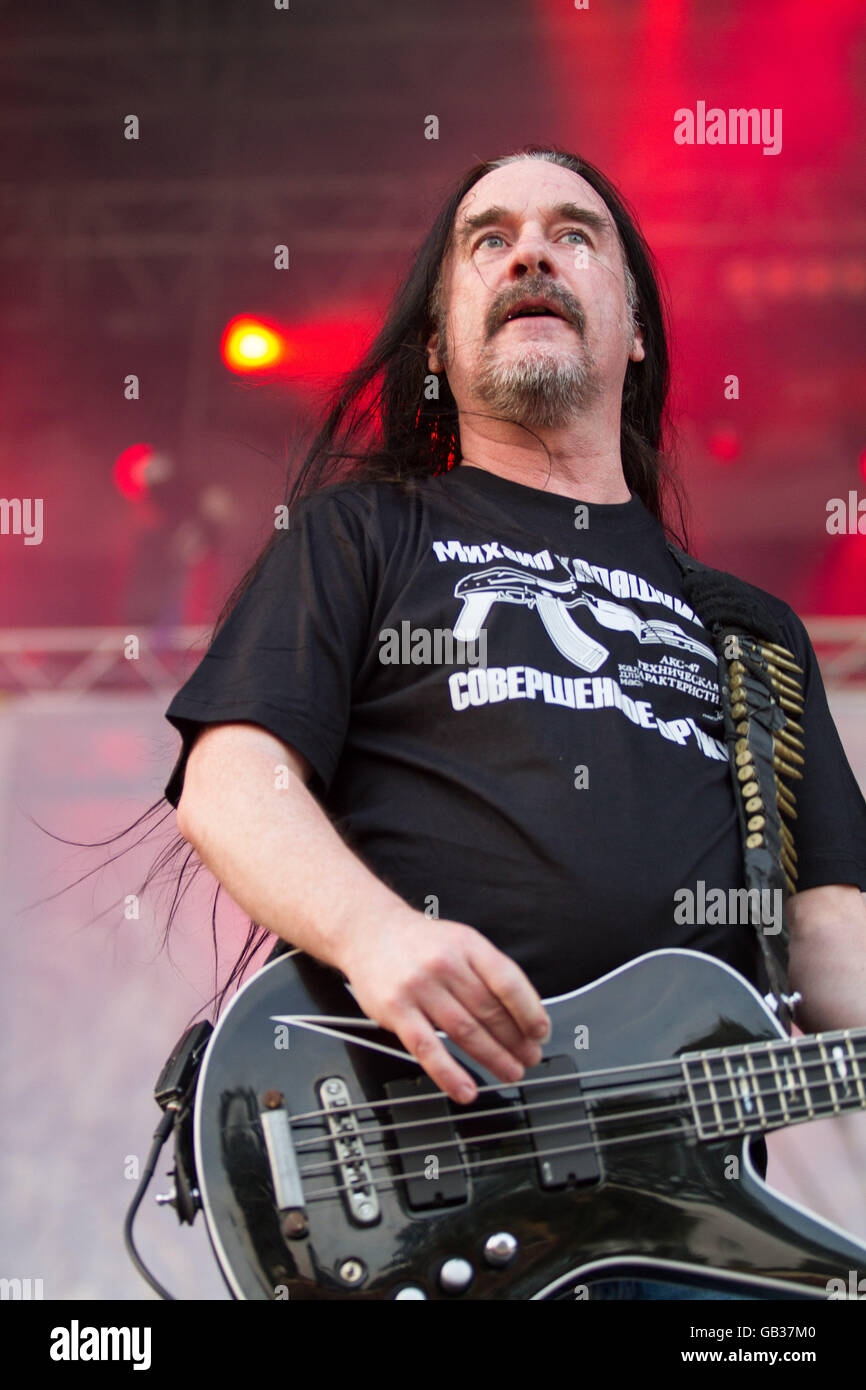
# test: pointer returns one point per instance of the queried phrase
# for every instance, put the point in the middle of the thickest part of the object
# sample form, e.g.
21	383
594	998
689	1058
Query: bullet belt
762	697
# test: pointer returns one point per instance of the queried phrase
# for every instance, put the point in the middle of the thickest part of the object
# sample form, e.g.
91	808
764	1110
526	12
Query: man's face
533	229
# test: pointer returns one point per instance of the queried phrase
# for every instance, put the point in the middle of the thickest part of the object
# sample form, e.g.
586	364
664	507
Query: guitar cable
173	1093
160	1135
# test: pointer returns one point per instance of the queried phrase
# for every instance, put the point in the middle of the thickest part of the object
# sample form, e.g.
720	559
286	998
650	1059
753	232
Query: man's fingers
508	984
444	1010
478	1001
418	1036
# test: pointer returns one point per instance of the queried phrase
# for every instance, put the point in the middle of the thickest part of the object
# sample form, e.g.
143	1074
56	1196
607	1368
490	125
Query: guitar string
384	1158
527	1157
796	1065
366	1130
680	1106
470	1166
374	1131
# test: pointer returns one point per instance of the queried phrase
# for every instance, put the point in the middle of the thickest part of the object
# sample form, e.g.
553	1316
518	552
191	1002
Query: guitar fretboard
764	1086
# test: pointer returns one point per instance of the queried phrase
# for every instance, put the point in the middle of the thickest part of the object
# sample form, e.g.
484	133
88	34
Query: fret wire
741	1119
720	1120
804	1085
854	1060
828	1068
758	1097
797	1048
777	1078
698	1072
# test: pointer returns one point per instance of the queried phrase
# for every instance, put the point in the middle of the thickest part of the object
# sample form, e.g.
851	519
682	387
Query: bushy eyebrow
495	215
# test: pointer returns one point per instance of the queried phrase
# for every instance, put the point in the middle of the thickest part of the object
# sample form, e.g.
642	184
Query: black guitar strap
760	692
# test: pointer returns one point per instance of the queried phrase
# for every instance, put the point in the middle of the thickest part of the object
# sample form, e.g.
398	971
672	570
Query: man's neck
563	464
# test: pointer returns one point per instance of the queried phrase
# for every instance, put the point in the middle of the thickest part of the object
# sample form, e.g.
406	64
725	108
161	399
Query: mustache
565	303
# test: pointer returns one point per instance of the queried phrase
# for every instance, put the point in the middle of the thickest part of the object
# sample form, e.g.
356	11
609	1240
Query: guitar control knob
455	1276
500	1249
410	1291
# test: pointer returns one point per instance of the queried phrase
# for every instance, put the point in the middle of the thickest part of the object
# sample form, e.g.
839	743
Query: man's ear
638	352
434	361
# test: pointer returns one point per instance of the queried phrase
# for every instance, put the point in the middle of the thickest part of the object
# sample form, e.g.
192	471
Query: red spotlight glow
249	345
130	471
724	445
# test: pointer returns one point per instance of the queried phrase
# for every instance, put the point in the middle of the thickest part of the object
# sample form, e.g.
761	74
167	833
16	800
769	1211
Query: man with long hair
465	835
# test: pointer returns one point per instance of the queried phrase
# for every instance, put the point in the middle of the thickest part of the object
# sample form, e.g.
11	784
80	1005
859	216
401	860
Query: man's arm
828	956
267	839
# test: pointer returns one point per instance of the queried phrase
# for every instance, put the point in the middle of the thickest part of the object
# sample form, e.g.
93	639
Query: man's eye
496	236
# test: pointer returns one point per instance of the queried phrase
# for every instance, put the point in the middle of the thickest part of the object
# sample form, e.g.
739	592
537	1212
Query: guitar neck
768	1085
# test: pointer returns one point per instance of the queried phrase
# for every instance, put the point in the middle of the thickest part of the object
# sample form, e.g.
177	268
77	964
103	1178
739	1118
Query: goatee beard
540	391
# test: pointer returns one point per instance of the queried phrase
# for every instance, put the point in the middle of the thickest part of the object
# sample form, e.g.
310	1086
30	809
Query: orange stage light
249	345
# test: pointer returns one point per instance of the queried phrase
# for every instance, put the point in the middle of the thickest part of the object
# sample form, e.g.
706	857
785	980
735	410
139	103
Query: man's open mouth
535	307
532	312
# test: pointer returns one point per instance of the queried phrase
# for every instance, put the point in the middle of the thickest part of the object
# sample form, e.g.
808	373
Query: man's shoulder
786	617
380	515
366	497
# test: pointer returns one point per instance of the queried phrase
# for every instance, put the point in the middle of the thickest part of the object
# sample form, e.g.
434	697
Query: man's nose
531	255
531	251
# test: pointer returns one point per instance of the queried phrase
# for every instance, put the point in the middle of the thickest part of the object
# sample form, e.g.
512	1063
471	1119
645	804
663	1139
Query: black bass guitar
330	1167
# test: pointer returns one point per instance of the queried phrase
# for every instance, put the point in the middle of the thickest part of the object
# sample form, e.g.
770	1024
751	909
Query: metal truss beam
34	660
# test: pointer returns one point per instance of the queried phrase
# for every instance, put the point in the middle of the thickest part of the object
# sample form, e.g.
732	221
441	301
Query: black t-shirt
556	783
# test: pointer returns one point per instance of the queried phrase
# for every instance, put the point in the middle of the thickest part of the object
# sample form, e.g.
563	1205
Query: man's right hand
413	974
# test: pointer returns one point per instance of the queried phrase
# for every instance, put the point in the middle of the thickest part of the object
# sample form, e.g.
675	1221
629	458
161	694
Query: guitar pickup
433	1172
568	1153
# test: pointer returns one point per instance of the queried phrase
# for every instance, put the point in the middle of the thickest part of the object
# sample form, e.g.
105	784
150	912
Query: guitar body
592	1167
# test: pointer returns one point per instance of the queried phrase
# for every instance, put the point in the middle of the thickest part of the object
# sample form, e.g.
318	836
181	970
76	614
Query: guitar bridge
356	1180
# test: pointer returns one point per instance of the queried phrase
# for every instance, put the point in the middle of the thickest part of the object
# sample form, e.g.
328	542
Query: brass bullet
781	655
741	745
754	841
756	823
738	711
753	804
742	728
792	724
786	682
750	789
791	705
791	886
790	755
790	739
744	757
788	771
747	771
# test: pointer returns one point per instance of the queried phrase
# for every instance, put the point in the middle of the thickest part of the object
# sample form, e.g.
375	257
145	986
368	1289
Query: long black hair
383	422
